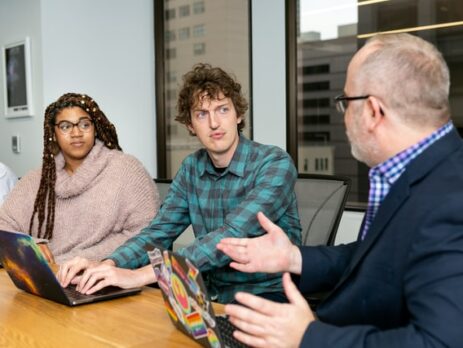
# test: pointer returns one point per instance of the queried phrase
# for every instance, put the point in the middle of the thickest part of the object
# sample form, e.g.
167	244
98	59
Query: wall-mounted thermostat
16	144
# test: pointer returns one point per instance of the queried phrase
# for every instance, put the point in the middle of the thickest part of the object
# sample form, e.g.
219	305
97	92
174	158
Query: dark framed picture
17	79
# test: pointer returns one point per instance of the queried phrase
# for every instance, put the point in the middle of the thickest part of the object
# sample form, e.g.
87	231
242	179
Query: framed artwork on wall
17	79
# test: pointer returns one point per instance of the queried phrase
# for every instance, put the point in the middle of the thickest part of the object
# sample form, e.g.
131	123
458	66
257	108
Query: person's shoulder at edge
267	149
261	154
123	159
5	171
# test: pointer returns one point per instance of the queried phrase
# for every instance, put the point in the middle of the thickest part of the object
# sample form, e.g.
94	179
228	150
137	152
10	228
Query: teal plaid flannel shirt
217	205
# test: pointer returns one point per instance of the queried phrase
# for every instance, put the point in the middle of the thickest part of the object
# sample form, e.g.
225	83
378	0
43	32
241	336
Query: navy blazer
403	285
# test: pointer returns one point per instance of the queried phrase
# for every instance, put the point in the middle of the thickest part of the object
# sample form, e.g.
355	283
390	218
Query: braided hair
44	205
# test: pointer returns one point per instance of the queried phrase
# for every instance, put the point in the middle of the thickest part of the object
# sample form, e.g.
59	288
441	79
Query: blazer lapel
394	200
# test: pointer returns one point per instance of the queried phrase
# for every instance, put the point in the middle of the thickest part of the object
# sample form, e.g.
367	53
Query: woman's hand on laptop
105	274
71	271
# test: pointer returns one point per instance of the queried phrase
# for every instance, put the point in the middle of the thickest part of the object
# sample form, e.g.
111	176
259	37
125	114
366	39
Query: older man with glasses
400	283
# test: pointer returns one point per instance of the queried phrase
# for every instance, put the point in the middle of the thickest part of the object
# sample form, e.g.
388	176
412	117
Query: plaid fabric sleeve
171	220
270	191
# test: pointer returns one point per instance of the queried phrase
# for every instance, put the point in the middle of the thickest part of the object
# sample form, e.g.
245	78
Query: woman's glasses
66	127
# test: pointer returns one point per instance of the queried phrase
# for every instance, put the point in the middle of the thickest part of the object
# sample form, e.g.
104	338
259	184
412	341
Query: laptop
29	271
187	303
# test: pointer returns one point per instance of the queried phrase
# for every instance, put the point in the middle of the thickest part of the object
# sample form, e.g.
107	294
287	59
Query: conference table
134	321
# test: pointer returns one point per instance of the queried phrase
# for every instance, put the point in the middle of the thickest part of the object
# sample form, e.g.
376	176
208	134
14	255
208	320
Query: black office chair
321	200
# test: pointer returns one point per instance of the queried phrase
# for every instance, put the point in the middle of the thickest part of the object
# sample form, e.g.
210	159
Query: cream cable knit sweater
109	199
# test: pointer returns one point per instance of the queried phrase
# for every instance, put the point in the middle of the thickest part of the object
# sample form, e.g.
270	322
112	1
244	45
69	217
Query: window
181	42
316	103
171	53
171	77
171	94
184	11
170	14
170	35
316	86
199	49
315	69
199	30
198	7
322	37
184	33
315	119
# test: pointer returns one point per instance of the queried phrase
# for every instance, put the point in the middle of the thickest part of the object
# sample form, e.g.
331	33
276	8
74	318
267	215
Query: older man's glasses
66	127
342	101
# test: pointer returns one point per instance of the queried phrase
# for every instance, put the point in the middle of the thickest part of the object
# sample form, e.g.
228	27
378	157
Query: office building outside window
199	30
325	36
199	7
203	35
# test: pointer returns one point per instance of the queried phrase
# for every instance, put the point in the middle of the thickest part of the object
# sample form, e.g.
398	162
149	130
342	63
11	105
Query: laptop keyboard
226	329
72	293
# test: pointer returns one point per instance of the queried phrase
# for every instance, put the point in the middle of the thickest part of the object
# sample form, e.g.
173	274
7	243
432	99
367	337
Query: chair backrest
163	187
321	200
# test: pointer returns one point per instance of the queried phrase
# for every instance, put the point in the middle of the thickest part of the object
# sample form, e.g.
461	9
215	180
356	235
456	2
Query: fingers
291	291
68	271
244	267
238	253
250	340
295	298
92	277
234	241
257	304
96	285
244	318
253	326
266	223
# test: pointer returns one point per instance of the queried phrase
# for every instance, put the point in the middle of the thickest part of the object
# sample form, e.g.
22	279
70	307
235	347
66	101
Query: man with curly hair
218	190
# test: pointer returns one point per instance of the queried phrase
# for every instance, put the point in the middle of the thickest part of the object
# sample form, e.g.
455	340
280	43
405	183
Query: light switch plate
16	144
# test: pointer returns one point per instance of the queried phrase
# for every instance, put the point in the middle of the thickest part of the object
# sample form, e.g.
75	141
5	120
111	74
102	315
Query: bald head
408	74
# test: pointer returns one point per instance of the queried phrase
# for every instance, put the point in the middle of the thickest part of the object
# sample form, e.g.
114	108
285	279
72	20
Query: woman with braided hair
90	197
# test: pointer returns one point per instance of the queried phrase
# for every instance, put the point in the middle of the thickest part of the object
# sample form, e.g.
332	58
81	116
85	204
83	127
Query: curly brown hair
104	130
211	81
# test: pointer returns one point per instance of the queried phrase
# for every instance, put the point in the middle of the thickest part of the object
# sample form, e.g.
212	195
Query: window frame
160	86
291	79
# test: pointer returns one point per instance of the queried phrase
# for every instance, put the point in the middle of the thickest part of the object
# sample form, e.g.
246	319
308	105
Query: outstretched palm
269	253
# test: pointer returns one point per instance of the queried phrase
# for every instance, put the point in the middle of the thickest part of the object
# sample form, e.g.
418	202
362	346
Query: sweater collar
67	185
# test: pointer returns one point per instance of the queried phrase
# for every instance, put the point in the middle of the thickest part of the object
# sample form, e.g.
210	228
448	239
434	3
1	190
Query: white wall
18	19
104	48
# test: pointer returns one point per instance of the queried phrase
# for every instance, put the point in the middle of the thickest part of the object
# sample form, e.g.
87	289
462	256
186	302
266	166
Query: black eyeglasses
66	127
342	101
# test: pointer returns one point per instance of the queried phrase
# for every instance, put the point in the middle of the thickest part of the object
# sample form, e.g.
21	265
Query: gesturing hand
263	323
272	252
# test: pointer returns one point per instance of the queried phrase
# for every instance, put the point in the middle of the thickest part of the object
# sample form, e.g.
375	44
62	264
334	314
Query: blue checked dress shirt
385	174
217	205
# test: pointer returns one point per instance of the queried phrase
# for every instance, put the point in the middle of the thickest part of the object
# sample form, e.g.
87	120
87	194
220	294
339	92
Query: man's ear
190	128
375	112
